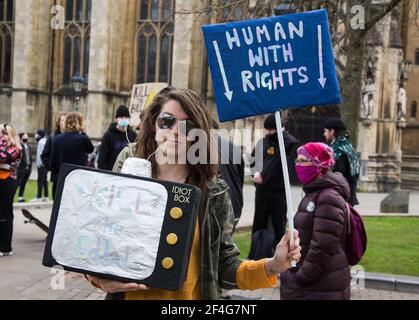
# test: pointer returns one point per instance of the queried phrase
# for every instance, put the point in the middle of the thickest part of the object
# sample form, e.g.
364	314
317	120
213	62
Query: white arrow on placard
322	79
228	93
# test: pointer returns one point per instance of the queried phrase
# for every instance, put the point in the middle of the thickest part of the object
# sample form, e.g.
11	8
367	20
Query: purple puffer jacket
322	220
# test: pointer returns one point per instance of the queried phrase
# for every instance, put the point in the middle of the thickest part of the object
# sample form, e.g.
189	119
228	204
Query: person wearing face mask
270	200
322	219
116	139
25	166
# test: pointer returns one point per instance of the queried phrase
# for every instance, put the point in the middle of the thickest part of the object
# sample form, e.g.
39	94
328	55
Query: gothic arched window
76	39
6	41
413	109
154	41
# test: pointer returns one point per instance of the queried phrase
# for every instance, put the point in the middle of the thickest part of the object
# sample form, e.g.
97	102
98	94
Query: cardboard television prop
122	227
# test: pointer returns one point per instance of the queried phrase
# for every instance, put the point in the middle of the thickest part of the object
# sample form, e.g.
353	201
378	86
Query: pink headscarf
320	154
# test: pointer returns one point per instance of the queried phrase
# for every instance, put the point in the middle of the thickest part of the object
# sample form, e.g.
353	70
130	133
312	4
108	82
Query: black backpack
263	245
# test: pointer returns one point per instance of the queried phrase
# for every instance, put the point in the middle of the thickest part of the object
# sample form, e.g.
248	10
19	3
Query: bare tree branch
385	10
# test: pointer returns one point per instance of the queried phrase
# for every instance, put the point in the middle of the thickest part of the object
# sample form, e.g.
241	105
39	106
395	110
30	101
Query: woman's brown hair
74	122
57	124
197	112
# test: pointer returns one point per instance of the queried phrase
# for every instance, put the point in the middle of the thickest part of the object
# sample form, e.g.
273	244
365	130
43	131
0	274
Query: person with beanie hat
270	200
39	134
118	136
122	113
322	219
346	157
270	123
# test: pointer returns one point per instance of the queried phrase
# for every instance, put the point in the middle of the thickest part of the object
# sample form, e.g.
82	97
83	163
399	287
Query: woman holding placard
214	262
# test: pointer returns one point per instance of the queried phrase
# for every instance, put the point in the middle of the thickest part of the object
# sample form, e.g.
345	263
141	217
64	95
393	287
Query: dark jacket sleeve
46	153
30	157
22	163
104	152
328	226
89	145
132	136
54	158
342	166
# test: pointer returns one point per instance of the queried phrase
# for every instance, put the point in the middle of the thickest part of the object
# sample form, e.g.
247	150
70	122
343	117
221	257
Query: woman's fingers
92	278
133	287
286	237
115	286
295	254
295	257
295	244
295	251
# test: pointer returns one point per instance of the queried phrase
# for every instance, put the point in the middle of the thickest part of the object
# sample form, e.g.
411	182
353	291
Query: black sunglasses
167	121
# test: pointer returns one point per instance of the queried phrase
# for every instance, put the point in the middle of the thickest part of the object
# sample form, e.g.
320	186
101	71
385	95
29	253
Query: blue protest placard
264	65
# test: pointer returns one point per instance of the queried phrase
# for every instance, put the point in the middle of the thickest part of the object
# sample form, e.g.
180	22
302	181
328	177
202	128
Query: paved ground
365	294
22	276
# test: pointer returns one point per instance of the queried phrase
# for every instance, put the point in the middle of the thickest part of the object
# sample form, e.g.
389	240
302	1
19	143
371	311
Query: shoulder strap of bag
349	217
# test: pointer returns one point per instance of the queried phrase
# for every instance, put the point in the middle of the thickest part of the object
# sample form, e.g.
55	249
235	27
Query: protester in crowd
46	154
214	262
322	219
42	171
118	136
25	166
10	154
270	200
347	160
231	170
71	147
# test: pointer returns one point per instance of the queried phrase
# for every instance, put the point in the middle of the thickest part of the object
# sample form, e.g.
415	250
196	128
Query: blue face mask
123	123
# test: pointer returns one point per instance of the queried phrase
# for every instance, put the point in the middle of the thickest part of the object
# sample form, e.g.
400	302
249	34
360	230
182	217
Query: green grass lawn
31	189
393	245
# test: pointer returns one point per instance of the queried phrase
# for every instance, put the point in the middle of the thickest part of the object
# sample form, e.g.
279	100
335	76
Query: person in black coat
270	201
47	152
25	166
71	147
347	159
116	139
